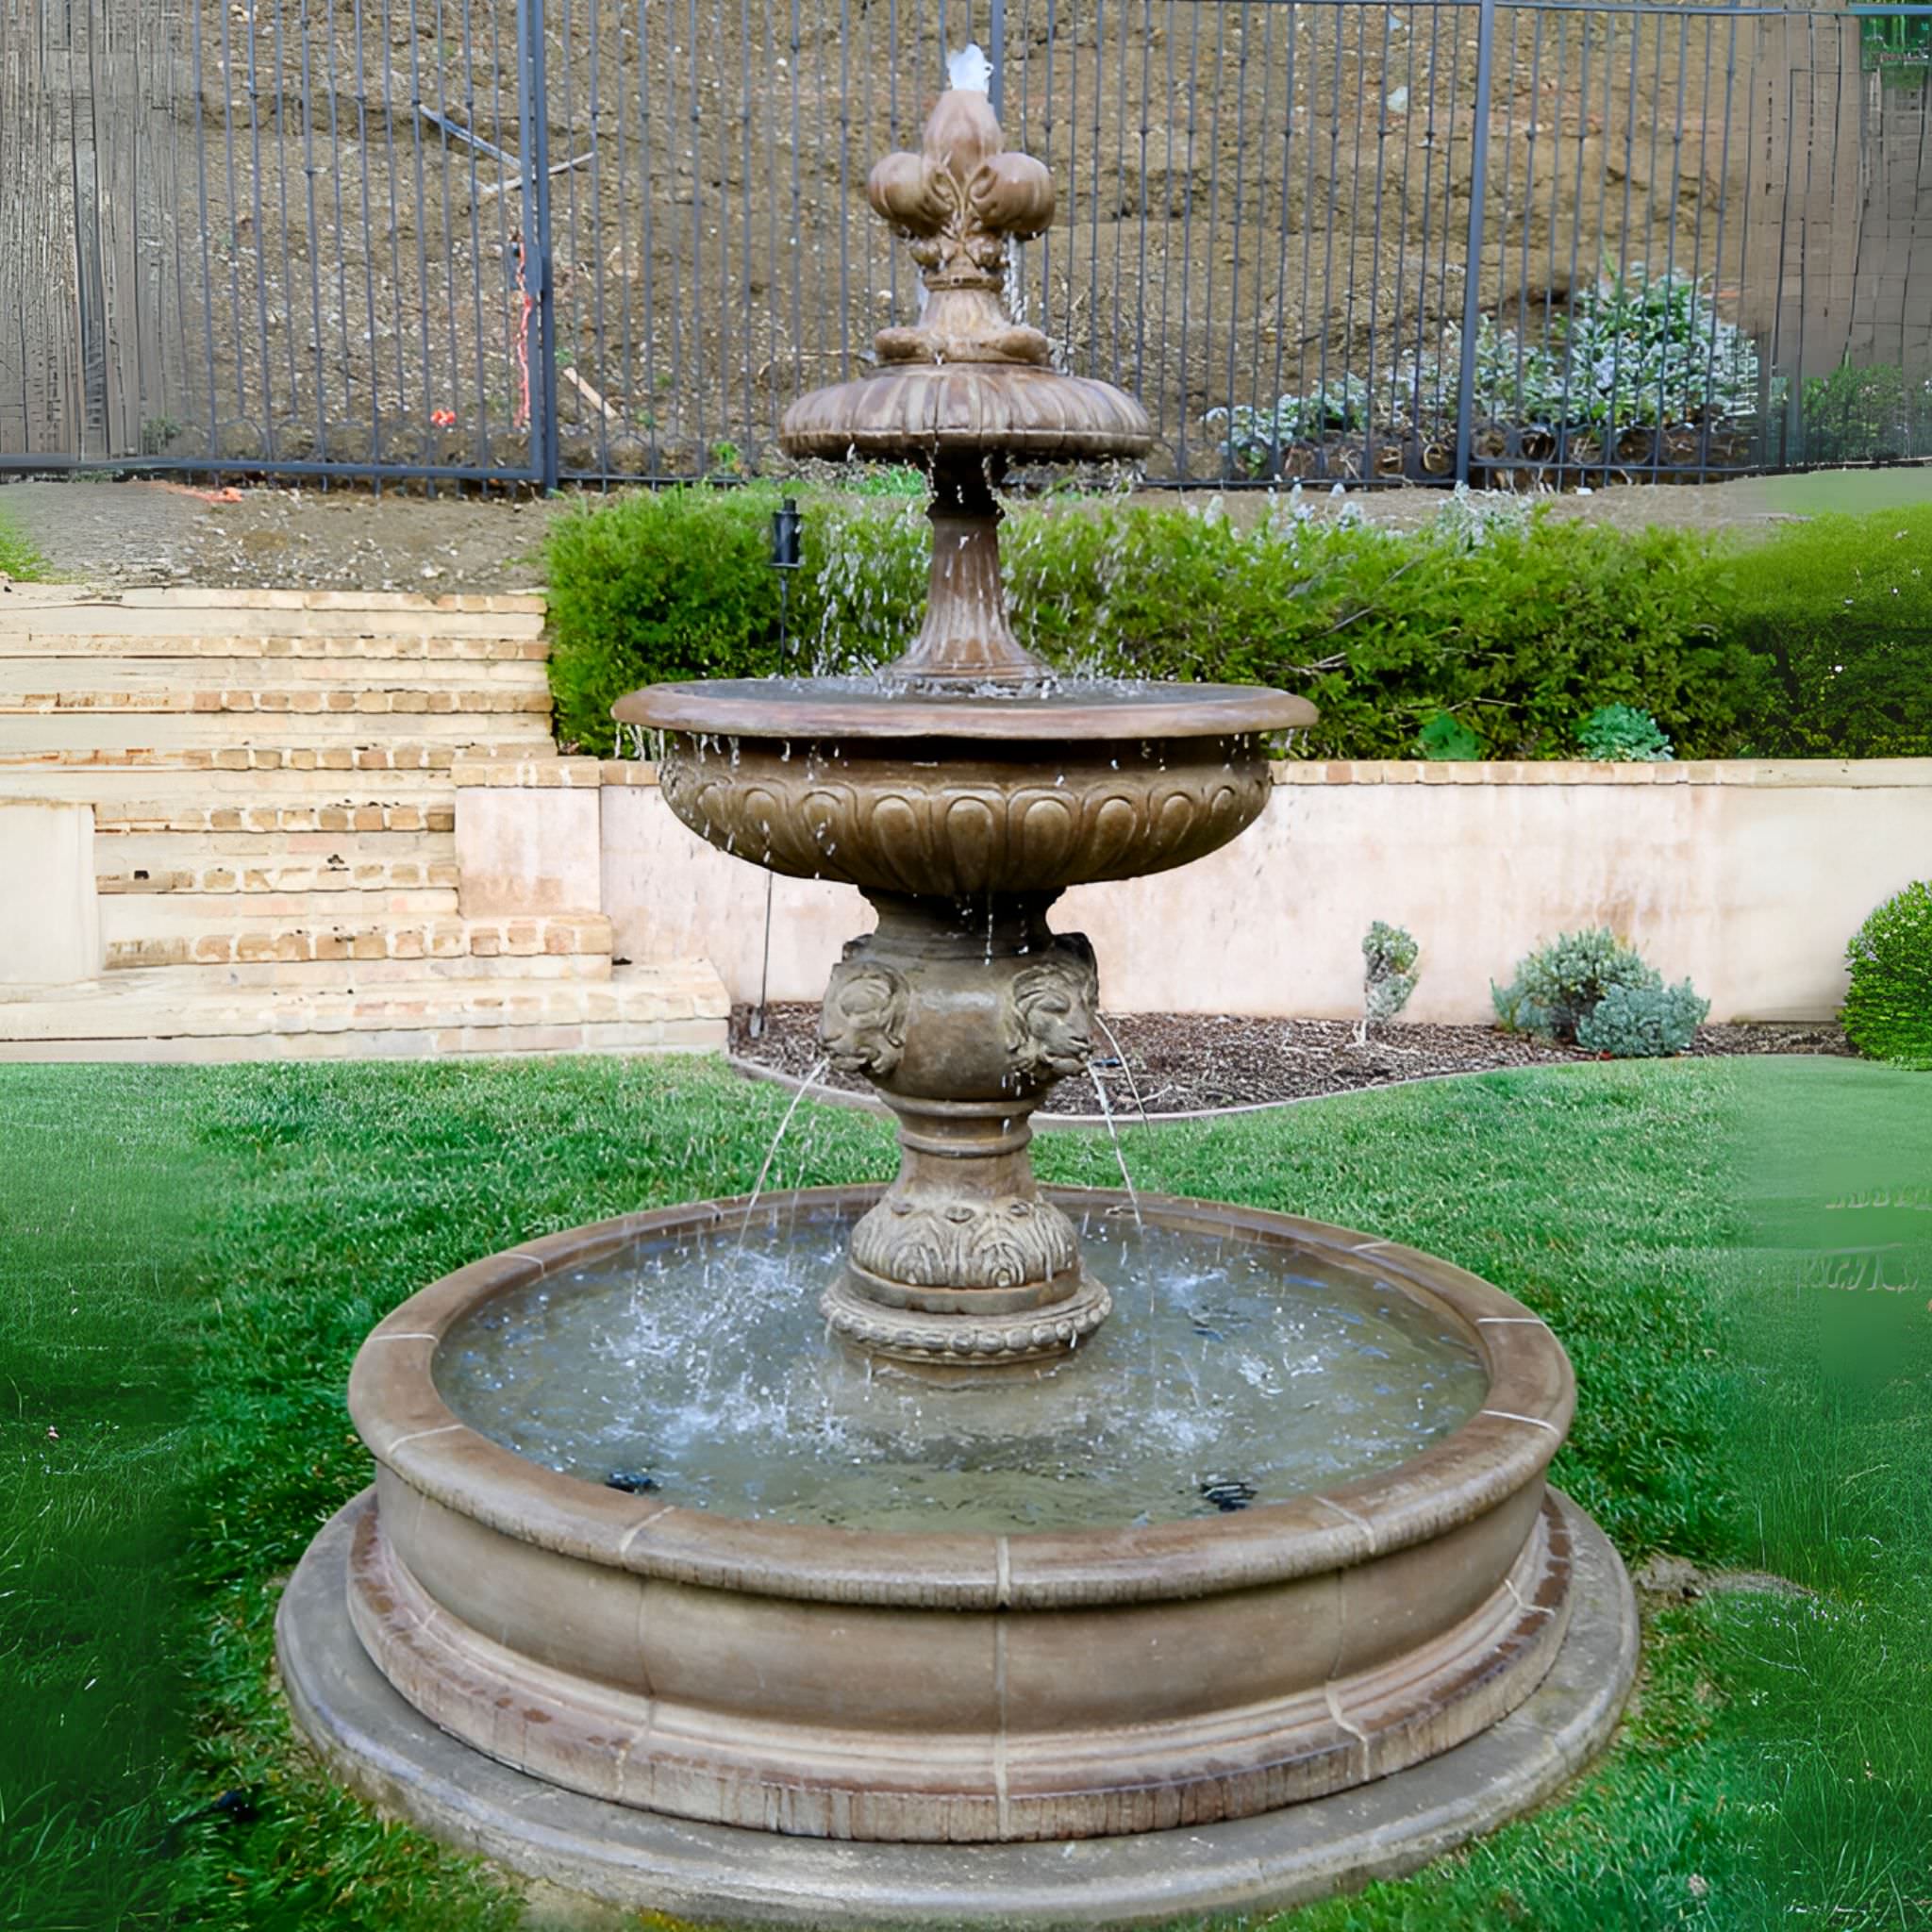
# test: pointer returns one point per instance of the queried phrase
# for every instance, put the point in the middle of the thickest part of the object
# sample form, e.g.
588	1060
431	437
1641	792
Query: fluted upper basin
896	790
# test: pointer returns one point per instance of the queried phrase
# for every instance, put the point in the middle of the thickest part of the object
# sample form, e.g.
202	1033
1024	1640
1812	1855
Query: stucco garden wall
1747	877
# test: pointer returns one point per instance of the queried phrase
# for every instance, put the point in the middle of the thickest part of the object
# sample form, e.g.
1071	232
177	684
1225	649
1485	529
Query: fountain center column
966	637
963	1014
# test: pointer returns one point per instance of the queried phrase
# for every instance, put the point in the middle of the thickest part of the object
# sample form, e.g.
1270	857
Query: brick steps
291	653
52	611
274	862
56	735
201	698
215	933
168	1015
273	779
131	917
353	754
432	814
310	975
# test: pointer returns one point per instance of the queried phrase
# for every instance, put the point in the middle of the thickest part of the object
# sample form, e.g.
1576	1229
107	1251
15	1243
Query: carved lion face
862	1024
1051	1032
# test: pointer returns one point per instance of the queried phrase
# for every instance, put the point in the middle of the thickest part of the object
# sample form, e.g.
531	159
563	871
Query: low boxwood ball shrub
1559	984
1888	1012
1642	1023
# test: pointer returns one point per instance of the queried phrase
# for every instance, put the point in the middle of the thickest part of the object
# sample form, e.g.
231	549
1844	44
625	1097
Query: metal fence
1516	241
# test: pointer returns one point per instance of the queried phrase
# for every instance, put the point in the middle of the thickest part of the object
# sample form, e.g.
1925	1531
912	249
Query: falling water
805	1087
1113	1134
1126	1072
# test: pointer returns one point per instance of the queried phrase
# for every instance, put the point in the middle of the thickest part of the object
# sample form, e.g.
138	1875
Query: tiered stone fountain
1160	1628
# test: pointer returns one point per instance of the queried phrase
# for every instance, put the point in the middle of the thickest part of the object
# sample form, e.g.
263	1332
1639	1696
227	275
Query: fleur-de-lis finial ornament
960	201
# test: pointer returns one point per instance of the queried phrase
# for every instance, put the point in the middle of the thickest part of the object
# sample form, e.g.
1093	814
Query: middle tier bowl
897	789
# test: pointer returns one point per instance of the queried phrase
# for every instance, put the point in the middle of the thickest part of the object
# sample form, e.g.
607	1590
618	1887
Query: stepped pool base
377	1744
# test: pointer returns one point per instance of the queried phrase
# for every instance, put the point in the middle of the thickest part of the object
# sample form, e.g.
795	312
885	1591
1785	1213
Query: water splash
969	70
705	1362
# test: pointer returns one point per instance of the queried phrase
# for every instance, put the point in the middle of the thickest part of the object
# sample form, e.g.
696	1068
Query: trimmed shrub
1621	734
1640	1023
1389	954
1835	616
648	588
1559	984
1814	641
1888	1012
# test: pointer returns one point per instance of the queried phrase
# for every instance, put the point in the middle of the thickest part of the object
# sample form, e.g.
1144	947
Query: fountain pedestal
962	1017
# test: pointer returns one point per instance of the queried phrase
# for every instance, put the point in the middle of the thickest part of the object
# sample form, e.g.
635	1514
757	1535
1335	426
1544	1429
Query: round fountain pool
901	1607
1236	1369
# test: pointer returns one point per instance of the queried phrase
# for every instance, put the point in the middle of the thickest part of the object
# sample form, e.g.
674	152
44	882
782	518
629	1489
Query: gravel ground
113	533
1187	1062
122	533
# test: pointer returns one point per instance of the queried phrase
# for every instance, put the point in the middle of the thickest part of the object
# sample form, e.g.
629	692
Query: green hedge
1516	627
1837	613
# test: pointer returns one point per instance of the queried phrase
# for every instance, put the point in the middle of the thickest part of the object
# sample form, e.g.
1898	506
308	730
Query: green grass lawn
18	557
238	1230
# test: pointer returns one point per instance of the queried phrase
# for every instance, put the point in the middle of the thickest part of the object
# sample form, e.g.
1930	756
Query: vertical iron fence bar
1188	400
1072	182
1354	163
533	104
314	244
1472	280
1724	191
1779	360
593	15
1563	62
1329	225
750	424
647	195
1612	435
793	240
1234	287
1405	405
844	187
1670	239
1422	272
1381	98
1046	155
1120	197
262	242
1094	194
694	132
1568	412
1261	173
996	53
1488	379
1535	96
281	87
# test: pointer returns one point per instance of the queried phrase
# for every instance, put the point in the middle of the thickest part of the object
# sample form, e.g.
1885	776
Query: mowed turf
1658	1215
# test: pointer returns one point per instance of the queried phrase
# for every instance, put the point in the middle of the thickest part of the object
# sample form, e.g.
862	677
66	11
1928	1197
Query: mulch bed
1191	1063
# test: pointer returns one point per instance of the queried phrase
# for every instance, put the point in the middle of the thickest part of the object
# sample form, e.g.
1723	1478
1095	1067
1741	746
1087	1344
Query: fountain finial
960	201
966	387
